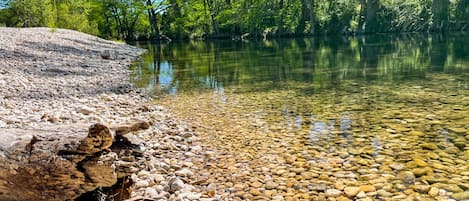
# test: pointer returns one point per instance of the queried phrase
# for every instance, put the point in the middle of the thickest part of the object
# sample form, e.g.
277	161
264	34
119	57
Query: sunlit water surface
376	118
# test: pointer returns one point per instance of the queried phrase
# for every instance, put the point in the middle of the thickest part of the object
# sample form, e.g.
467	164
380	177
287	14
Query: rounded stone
271	185
422	171
384	193
333	193
255	192
142	184
452	150
433	191
367	188
351	191
461	196
406	177
421	188
429	146
361	194
342	198
151	193
339	186
256	184
239	187
419	162
397	166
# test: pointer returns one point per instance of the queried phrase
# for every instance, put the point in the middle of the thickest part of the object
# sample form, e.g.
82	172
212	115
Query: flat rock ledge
73	128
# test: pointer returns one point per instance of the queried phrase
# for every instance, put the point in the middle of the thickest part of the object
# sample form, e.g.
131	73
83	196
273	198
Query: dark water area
381	117
321	63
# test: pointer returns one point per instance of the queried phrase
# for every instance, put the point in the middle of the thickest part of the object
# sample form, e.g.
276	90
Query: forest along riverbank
54	85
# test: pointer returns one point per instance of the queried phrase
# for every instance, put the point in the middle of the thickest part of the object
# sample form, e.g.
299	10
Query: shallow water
376	118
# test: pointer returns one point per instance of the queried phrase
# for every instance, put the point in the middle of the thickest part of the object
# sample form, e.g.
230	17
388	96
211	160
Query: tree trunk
119	27
207	15
209	7
438	52
45	166
440	15
59	163
464	12
306	16
132	27
153	21
311	17
368	22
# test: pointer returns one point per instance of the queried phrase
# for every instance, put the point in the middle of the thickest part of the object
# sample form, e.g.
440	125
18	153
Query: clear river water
382	117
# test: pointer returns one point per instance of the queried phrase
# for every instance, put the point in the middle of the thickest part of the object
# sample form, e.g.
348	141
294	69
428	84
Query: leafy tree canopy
159	19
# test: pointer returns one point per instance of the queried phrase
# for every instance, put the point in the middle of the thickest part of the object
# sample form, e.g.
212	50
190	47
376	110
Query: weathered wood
58	163
99	138
131	127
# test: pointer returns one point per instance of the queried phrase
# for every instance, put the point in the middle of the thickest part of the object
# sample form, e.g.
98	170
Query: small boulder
461	196
419	162
351	191
184	173
433	191
406	177
271	185
367	188
175	184
429	146
333	193
107	54
84	110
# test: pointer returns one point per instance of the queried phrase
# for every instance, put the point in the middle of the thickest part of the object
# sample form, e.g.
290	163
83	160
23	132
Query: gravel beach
56	77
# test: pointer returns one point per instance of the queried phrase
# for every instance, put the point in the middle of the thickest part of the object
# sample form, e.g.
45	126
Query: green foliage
229	19
72	14
405	16
337	16
31	13
461	12
145	19
8	17
288	18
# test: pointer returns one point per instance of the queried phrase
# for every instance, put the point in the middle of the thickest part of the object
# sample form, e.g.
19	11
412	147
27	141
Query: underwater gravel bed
361	141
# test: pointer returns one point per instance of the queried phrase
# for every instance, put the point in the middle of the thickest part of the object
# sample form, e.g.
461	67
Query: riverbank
58	81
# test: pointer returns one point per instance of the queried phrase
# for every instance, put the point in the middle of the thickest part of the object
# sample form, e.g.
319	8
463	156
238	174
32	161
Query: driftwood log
60	163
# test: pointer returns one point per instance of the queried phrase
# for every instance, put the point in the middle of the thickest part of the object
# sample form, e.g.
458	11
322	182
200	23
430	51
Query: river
381	117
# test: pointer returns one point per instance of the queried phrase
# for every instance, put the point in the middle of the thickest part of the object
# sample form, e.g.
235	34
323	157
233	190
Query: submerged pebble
376	139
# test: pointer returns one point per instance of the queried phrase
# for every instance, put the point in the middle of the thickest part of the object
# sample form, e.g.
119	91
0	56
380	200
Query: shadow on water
311	64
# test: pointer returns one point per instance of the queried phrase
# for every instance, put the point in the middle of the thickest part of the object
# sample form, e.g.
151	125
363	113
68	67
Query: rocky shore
66	103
